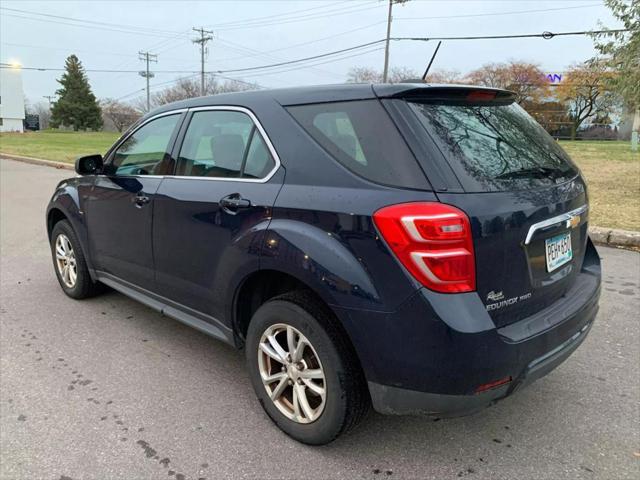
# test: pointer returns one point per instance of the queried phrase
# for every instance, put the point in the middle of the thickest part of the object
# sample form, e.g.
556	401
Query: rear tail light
433	241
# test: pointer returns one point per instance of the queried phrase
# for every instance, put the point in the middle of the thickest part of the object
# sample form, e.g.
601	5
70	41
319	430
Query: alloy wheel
66	261
292	373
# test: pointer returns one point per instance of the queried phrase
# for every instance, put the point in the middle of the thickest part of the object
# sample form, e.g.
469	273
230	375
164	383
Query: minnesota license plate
558	251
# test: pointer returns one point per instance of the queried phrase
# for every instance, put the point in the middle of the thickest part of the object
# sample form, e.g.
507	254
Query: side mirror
89	164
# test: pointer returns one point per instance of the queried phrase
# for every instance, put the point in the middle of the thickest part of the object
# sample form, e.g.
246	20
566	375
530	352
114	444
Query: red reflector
481	95
433	241
489	386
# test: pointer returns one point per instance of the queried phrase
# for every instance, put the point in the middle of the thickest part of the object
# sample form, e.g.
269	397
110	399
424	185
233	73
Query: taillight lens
433	241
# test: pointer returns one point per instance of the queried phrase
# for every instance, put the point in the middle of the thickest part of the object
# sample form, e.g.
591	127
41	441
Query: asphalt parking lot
107	388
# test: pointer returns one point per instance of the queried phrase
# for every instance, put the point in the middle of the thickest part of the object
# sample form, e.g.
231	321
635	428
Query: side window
361	136
223	144
259	161
144	152
337	127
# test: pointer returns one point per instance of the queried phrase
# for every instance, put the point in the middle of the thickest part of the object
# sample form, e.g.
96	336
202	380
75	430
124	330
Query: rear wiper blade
538	172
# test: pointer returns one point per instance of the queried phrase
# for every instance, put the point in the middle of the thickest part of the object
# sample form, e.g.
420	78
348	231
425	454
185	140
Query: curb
602	236
38	161
614	237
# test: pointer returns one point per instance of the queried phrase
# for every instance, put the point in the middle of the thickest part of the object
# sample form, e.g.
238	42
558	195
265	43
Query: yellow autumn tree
585	93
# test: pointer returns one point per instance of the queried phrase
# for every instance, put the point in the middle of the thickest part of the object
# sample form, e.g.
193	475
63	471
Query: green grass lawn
611	169
57	145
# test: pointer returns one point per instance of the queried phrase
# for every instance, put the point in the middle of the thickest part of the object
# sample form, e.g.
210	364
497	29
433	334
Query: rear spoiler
449	94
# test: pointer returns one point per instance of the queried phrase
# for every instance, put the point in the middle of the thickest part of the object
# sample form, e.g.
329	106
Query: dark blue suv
420	248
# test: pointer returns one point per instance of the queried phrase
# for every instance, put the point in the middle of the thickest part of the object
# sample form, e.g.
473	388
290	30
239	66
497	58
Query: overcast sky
107	35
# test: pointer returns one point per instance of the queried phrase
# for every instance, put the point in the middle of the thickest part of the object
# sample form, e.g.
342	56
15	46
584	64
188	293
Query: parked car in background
31	122
419	248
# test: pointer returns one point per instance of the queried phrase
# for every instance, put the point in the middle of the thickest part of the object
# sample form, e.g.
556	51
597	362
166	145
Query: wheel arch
64	206
54	215
255	289
262	285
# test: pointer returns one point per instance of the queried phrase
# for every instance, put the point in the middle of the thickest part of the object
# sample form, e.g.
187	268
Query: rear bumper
432	355
399	401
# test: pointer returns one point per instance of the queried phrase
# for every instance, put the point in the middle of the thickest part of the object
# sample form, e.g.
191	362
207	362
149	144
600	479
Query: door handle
140	200
234	202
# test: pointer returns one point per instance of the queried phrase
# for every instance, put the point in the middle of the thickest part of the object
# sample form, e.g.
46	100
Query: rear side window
361	136
495	147
223	144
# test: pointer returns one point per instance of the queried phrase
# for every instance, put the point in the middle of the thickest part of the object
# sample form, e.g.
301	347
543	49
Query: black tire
84	287
347	399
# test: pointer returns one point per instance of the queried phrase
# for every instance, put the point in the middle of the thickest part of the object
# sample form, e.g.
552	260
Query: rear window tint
495	147
361	136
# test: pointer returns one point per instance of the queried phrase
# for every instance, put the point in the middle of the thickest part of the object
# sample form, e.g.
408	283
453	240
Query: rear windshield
361	136
495	147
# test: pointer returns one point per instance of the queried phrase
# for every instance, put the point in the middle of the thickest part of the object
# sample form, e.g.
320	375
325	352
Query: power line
254	53
545	35
288	47
67	49
120	26
290	69
301	18
289	62
497	14
93	27
139	90
94	70
139	30
277	15
176	80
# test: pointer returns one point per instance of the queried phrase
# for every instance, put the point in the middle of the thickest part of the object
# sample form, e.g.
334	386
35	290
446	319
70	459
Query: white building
11	99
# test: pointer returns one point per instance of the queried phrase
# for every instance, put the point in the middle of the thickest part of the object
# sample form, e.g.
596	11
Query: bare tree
371	75
190	87
364	75
444	76
120	114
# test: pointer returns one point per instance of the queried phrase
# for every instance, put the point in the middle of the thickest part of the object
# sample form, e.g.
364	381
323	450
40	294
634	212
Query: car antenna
424	76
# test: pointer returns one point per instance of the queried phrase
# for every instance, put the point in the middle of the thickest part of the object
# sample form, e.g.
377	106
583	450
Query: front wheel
69	262
303	371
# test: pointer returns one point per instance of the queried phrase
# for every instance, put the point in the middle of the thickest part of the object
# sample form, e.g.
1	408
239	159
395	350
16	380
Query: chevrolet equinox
419	248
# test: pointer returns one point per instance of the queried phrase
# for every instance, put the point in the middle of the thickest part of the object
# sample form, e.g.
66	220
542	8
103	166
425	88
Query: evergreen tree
76	106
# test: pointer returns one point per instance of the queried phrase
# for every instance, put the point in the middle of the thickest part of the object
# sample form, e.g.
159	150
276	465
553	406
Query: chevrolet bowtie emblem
573	222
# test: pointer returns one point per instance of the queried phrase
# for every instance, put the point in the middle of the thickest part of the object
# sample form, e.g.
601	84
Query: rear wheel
69	262
304	373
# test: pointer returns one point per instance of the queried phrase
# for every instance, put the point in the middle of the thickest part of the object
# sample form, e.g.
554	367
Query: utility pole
50	99
385	72
147	57
205	36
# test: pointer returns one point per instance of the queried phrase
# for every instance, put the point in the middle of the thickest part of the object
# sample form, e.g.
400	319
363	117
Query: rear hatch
525	199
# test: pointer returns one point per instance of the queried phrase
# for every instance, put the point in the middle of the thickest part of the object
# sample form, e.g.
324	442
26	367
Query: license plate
558	251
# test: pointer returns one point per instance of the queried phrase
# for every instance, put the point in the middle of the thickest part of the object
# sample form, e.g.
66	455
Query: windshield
495	147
